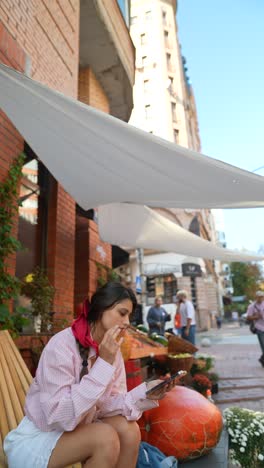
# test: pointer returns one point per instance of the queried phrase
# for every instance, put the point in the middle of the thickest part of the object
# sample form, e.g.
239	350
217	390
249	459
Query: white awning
99	159
139	226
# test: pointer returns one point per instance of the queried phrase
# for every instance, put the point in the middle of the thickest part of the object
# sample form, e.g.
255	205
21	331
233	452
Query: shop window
164	286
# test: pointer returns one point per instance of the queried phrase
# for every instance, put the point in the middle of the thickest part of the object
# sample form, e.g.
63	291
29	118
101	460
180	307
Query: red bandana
81	329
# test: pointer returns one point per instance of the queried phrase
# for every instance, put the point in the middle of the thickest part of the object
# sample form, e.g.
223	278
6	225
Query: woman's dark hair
107	297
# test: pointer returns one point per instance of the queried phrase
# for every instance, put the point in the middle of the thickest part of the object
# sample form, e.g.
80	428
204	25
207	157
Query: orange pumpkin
185	424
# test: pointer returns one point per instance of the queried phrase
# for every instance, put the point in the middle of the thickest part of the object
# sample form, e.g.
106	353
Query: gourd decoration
185	424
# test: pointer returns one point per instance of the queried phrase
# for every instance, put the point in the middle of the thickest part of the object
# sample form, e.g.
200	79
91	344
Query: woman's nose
126	320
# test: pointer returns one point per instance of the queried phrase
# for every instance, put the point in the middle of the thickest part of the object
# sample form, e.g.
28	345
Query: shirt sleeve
63	401
250	310
120	402
189	310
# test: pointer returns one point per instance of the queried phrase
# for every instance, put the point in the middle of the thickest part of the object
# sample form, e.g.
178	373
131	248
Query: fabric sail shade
139	226
99	159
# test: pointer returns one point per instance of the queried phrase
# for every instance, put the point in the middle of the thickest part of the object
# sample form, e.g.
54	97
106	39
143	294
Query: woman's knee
129	432
108	442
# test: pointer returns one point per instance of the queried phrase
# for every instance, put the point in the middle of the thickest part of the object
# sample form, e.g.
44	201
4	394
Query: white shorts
28	447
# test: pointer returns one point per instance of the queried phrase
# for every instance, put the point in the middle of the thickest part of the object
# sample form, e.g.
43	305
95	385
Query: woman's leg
129	436
95	445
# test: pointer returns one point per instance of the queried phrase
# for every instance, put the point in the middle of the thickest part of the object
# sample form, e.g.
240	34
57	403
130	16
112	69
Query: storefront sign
191	269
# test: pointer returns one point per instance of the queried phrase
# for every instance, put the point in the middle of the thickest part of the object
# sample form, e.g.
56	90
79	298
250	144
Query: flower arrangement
246	436
201	383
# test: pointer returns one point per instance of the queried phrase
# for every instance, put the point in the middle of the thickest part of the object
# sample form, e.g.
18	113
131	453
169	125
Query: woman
78	408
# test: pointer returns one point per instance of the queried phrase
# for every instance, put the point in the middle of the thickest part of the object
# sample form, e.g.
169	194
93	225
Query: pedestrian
157	316
255	314
77	408
218	321
187	313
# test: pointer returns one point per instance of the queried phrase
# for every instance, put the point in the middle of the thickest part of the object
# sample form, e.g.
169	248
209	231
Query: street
236	352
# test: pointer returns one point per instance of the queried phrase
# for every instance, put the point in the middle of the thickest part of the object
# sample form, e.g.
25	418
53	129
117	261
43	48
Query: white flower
257	433
242	449
261	457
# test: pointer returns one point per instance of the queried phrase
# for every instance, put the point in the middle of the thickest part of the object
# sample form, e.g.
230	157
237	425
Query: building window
33	217
171	83
164	286
144	61
148	111
176	135
146	86
133	20
166	39
143	39
148	15
173	111
168	59
164	18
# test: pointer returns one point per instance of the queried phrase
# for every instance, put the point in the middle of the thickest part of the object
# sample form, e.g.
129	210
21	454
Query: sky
223	42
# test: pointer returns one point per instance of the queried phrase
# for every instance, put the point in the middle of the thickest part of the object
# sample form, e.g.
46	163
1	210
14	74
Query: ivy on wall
9	193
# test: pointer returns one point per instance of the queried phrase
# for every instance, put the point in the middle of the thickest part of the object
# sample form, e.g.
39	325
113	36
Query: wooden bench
15	379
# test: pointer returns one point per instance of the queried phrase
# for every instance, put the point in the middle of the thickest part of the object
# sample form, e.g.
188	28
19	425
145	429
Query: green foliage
246	278
13	322
37	287
105	274
246	434
202	364
9	285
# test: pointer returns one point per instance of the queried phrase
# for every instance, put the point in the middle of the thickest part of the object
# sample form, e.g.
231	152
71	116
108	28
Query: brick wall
48	33
11	142
89	248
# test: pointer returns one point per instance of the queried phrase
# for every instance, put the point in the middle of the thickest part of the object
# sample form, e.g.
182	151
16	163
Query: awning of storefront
99	159
145	228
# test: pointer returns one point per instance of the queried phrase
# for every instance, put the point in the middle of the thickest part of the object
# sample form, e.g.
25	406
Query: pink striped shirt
57	400
254	308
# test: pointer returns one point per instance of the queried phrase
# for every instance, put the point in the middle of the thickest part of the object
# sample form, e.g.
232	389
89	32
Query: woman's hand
161	393
110	344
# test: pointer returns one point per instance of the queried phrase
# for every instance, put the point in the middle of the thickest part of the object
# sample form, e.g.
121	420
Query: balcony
106	46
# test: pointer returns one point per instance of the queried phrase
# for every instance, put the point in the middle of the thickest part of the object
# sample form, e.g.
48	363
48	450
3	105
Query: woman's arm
117	401
63	401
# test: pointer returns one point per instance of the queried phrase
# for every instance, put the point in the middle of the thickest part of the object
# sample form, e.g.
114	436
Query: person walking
255	313
156	318
187	313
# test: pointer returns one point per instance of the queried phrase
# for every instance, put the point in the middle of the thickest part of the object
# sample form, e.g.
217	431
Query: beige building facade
164	105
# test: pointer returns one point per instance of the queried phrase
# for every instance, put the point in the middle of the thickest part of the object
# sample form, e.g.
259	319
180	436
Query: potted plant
37	287
201	383
213	377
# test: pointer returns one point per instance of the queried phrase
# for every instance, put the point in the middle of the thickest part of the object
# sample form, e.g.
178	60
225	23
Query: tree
246	278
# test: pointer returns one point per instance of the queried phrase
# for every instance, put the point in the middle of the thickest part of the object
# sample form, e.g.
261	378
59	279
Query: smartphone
165	382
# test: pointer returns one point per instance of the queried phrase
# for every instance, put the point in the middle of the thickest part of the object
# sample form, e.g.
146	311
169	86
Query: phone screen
166	382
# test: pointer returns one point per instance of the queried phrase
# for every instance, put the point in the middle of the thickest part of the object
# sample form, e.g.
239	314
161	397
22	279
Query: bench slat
19	379
10	376
7	402
19	359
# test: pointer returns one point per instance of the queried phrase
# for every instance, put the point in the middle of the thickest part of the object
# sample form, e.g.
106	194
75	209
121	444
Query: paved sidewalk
236	353
241	383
